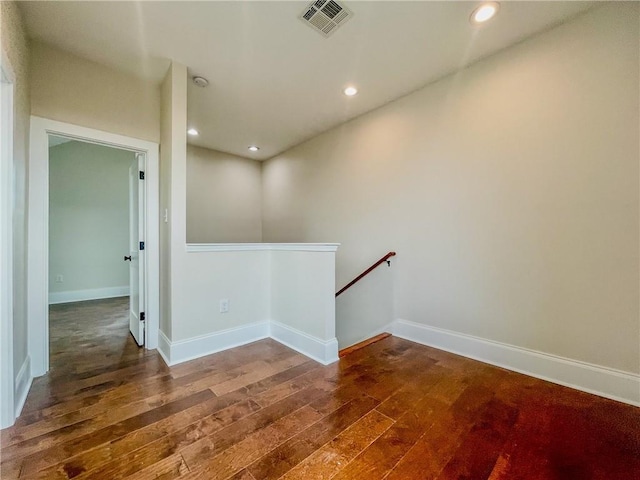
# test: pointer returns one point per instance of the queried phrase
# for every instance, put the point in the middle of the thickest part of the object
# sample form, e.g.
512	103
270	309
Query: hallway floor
394	410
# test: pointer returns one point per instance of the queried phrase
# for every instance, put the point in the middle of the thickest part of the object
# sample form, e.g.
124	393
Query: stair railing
367	271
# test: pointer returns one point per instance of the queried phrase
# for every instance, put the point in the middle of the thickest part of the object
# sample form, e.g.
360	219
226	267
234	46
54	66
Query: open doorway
96	209
144	163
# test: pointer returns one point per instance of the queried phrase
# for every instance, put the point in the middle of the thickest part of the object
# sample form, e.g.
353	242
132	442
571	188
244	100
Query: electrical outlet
59	279
224	305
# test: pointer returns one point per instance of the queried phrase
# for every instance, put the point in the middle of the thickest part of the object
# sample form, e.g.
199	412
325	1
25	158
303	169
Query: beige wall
223	197
240	277
15	46
173	186
81	92
282	291
510	192
88	216
302	292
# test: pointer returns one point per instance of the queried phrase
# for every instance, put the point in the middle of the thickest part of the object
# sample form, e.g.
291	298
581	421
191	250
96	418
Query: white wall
15	46
291	284
88	219
241	277
303	291
510	192
173	185
281	291
74	90
370	299
224	203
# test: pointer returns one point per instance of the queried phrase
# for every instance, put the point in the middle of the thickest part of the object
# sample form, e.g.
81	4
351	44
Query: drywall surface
302	292
74	90
88	217
509	190
242	278
242	292
173	184
370	299
223	197
15	47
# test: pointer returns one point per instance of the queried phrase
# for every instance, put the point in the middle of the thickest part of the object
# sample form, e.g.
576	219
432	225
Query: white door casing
7	379
38	239
136	248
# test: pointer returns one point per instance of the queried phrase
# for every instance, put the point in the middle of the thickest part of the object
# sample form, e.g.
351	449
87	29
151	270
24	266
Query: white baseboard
196	347
323	351
164	347
605	382
89	294
23	384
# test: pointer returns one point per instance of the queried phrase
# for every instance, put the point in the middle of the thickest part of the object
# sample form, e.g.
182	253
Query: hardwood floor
393	409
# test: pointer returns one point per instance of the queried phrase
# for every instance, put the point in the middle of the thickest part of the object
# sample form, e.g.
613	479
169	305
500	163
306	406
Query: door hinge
141	175
141	245
142	316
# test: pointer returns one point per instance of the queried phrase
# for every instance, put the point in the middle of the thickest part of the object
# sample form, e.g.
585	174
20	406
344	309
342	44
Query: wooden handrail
367	271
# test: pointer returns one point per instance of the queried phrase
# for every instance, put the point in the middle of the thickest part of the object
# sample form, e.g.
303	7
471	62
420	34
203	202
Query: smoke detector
200	81
325	16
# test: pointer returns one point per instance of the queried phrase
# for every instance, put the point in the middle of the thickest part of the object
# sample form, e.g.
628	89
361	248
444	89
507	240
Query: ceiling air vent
325	16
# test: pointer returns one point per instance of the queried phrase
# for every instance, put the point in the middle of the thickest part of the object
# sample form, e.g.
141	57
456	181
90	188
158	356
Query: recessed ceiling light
253	148
193	131
484	12
350	91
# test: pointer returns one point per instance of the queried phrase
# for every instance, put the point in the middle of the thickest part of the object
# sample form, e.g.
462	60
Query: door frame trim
38	238
7	192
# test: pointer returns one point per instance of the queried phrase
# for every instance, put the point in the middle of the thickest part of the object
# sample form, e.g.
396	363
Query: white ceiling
274	81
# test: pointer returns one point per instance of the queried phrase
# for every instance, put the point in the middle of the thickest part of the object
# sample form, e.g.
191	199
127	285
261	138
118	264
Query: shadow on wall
366	308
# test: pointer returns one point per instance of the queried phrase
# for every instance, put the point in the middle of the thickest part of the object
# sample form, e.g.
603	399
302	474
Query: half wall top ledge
237	247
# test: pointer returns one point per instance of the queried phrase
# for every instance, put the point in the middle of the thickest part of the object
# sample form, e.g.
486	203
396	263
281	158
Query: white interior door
136	249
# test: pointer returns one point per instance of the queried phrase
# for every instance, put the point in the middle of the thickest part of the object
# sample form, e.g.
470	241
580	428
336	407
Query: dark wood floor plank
136	401
477	455
107	417
443	435
410	393
125	394
433	450
168	468
234	459
204	412
284	389
234	357
334	455
128	462
242	475
225	410
257	374
237	431
222	429
293	451
393	409
377	460
122	407
561	428
60	451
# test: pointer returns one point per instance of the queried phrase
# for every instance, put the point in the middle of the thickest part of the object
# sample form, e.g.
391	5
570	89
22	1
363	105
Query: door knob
127	258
